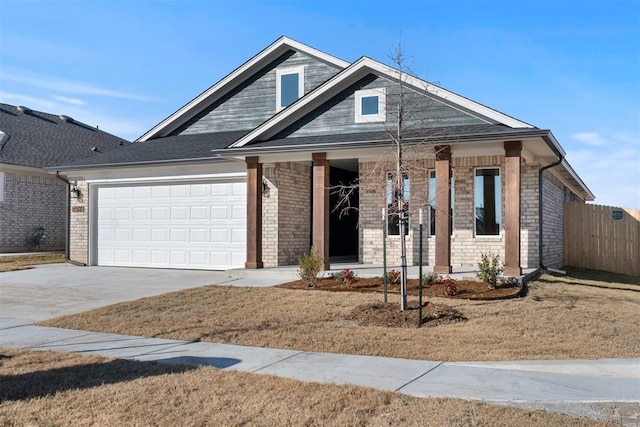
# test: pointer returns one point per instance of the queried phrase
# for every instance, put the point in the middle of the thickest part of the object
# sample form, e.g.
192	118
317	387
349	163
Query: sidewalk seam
281	360
419	376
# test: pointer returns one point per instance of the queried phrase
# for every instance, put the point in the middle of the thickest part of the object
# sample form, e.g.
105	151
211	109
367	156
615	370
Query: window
289	86
487	202
432	202
370	105
393	216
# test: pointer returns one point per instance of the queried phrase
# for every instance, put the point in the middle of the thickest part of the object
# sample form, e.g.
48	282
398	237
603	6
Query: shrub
429	279
449	287
346	276
393	277
310	266
489	268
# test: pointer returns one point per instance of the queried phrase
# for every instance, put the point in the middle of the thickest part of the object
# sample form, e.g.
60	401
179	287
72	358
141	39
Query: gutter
540	199
68	223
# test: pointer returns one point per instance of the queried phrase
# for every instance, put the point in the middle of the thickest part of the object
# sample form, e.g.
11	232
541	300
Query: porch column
254	213
512	170
320	214
443	203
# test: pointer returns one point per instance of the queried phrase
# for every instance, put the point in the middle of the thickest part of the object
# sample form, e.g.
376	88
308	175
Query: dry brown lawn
45	388
560	318
23	262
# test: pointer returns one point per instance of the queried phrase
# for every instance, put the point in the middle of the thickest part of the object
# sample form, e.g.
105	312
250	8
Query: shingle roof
37	139
434	134
167	149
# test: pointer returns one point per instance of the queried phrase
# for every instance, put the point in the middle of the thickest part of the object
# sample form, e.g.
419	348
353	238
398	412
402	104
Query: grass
561	318
23	262
46	388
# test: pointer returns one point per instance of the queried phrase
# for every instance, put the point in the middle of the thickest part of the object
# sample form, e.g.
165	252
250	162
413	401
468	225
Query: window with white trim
370	105
393	216
289	86
487	201
432	202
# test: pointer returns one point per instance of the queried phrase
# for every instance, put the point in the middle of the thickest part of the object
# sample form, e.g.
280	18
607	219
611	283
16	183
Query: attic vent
24	109
66	118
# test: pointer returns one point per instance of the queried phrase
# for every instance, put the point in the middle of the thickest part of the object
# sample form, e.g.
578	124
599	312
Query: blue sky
569	66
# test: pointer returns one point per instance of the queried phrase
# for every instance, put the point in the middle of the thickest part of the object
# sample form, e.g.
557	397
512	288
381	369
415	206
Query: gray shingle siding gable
254	101
337	116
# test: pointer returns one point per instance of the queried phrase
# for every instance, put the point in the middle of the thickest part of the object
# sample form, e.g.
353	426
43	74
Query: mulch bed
390	315
467	289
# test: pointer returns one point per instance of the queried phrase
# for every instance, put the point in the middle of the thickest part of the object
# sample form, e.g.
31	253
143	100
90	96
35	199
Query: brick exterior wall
29	202
465	247
286	210
529	224
553	217
79	245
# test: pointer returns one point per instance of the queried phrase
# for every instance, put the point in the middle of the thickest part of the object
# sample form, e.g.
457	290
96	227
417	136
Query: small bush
430	279
337	276
346	276
489	268
349	277
449	287
310	266
393	277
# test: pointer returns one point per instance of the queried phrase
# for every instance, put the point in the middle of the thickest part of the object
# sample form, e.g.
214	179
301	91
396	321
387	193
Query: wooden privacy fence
602	238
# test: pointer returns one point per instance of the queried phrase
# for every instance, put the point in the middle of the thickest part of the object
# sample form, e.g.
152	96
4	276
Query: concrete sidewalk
600	389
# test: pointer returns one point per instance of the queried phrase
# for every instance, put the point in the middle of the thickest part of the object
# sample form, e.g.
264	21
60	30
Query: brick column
254	213
443	203
320	215
512	176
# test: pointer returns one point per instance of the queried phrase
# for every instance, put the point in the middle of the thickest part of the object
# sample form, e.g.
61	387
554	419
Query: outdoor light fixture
75	192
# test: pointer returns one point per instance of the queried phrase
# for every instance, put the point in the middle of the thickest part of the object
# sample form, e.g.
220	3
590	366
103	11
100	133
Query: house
241	176
33	203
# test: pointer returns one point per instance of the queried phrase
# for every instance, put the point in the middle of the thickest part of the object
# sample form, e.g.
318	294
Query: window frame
452	210
1	186
284	72
407	198
498	207
381	115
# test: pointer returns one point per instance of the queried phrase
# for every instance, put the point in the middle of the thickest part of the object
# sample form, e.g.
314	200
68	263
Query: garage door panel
182	225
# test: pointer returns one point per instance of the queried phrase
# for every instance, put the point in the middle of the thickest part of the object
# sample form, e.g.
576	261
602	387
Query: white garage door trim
180	224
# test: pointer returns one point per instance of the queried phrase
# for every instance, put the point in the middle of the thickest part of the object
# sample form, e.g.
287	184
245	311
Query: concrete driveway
55	289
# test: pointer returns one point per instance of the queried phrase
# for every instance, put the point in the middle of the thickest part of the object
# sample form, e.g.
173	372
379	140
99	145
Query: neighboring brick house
241	176
33	202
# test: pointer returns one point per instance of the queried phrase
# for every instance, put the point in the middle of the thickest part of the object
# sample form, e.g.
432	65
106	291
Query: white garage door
179	225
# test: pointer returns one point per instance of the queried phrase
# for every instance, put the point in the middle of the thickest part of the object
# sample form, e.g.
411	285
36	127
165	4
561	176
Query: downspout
540	199
68	223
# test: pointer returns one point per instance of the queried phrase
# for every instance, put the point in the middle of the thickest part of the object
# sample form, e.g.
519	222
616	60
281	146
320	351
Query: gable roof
352	74
233	80
36	139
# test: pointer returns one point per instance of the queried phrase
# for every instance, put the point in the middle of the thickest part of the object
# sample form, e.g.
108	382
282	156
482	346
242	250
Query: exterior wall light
75	192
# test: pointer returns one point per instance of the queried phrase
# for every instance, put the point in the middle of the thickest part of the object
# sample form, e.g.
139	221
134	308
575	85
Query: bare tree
410	133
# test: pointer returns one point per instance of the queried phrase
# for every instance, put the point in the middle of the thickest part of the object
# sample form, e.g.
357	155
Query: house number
77	209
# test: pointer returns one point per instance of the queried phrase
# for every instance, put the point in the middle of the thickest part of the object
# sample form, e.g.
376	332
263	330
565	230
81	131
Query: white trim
1	187
381	115
172	178
285	72
358	70
232	80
